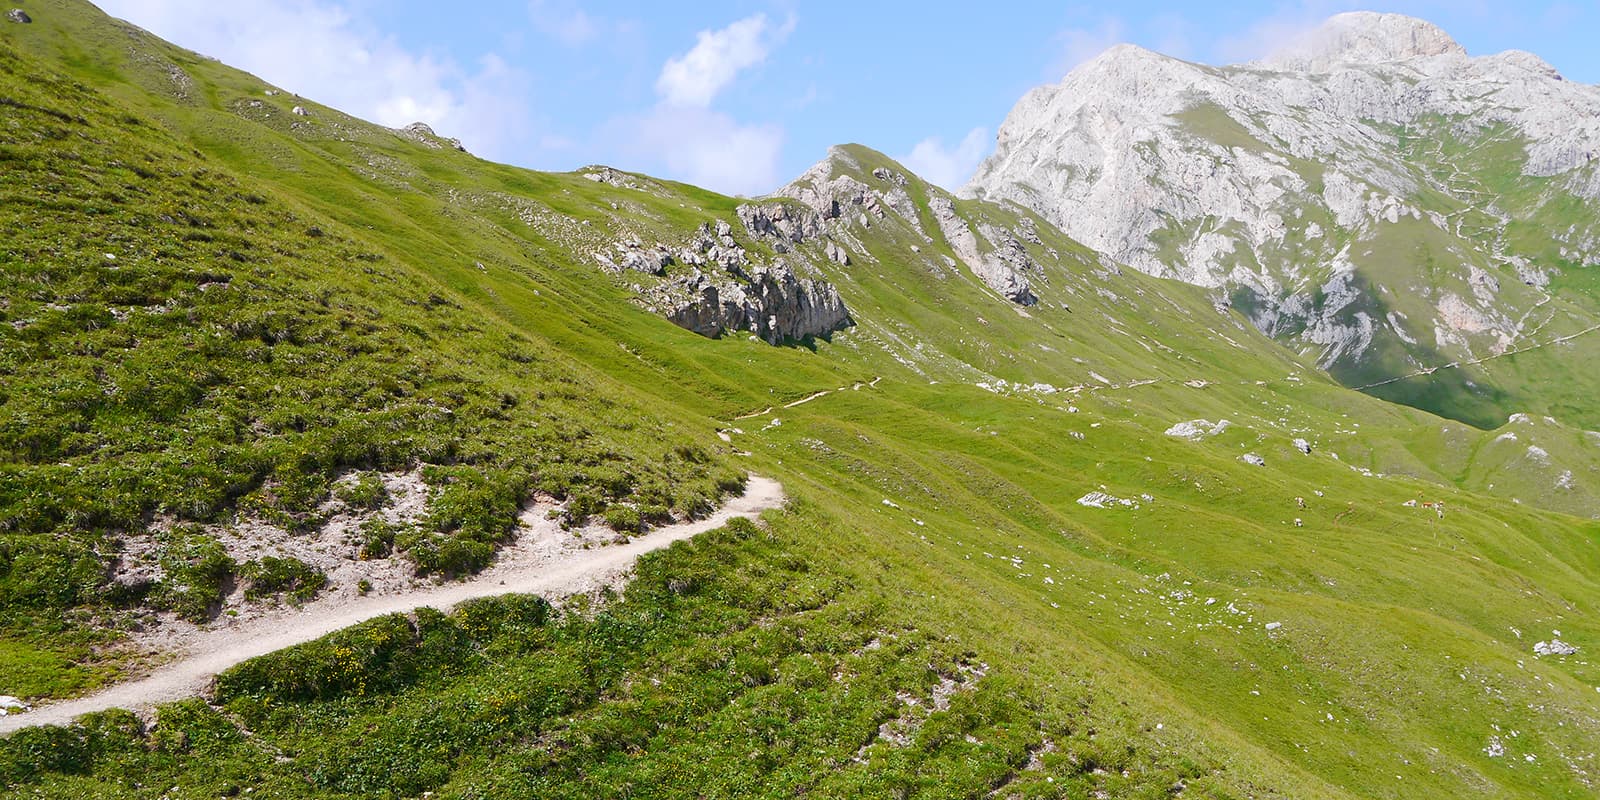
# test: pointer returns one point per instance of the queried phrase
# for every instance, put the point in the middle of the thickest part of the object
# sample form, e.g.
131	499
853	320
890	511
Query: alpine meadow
1232	435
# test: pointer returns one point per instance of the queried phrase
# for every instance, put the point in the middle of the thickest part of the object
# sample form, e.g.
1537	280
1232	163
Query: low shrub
272	575
365	492
198	574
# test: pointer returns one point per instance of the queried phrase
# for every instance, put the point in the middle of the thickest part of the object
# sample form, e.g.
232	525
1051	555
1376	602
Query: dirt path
212	651
802	401
813	396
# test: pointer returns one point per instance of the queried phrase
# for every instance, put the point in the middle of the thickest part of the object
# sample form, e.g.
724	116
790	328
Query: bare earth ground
541	561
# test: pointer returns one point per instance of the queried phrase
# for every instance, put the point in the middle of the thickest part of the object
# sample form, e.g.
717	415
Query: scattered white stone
1495	749
300	111
1252	458
1197	428
9	704
1103	500
1272	626
1303	446
1554	647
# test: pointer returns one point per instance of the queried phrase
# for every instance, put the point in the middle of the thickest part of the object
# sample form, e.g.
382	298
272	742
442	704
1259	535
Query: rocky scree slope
1371	195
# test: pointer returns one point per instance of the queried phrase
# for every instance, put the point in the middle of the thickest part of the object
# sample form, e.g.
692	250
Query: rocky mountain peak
1363	37
1325	191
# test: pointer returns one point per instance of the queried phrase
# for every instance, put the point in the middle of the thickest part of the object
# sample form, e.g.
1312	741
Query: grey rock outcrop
770	302
18	15
843	197
837	254
599	173
631	254
1002	268
421	133
777	220
714	247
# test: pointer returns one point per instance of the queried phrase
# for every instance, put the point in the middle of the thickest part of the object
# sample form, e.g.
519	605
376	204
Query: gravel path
211	651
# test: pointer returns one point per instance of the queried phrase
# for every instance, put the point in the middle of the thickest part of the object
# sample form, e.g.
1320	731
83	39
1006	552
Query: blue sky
741	95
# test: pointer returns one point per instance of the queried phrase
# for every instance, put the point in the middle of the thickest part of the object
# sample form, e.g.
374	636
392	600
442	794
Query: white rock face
1276	180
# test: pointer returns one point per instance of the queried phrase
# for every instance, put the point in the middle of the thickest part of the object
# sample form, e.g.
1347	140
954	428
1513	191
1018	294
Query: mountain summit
1364	37
1371	194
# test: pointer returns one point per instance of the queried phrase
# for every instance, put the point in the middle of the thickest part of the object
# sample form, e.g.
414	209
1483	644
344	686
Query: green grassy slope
934	614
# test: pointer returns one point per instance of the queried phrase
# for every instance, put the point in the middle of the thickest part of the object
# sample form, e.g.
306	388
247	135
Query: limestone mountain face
1371	194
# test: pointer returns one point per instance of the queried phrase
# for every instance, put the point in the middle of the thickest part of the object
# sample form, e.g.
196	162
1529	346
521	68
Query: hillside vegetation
294	305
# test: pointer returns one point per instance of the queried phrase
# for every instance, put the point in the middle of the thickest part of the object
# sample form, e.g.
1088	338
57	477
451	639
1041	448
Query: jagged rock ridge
837	199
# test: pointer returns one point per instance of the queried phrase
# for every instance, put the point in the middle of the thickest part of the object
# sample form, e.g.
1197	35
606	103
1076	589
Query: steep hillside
1420	222
1023	556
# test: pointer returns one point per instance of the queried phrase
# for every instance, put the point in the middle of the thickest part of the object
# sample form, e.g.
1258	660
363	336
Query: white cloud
948	167
1262	39
1289	24
321	50
695	78
696	143
710	149
1076	45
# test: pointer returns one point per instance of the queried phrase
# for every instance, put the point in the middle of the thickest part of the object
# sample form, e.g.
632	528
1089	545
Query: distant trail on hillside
1471	362
214	651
